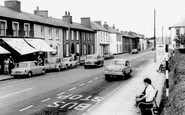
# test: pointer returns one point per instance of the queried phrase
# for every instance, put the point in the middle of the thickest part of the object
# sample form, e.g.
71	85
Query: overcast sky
134	15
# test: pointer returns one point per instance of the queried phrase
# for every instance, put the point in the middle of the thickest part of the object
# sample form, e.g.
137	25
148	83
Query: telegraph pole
154	35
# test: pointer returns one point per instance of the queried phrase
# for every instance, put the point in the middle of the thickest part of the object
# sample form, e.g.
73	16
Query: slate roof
6	12
112	30
97	27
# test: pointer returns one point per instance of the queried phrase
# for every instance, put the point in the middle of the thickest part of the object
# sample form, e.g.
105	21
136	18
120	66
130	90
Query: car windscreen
65	60
118	62
21	65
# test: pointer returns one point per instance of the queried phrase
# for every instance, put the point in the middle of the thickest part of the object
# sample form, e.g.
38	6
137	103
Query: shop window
85	49
177	31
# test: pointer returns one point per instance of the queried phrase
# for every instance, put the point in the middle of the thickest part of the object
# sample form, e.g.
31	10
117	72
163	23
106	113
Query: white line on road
16	92
60	93
82	84
46	100
96	78
26	108
101	76
72	89
90	81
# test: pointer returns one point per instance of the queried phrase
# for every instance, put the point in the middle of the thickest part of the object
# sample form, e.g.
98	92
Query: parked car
55	64
118	68
82	60
108	56
134	51
69	62
94	60
27	68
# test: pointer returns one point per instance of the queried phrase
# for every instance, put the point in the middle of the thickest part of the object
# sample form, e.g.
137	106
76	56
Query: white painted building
115	41
175	30
143	43
102	38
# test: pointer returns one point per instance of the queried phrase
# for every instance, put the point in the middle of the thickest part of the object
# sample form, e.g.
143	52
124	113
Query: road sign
160	52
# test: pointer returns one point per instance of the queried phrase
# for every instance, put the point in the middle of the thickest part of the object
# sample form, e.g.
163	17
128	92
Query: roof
97	27
180	23
112	30
7	12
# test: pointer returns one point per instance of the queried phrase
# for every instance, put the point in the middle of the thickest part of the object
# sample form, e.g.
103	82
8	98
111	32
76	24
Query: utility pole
162	36
154	35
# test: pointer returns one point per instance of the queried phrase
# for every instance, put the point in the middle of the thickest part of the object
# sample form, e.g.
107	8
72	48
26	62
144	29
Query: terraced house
51	36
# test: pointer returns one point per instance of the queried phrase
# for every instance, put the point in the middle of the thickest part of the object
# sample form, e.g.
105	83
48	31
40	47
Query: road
69	92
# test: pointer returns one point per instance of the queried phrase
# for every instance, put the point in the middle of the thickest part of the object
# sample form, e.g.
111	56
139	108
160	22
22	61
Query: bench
149	108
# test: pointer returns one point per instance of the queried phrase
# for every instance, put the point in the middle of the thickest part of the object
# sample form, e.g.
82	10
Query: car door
127	66
33	67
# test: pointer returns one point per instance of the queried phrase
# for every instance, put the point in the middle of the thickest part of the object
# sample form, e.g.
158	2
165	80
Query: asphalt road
69	92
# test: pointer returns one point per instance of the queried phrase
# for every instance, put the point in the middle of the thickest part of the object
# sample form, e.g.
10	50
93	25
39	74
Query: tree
180	39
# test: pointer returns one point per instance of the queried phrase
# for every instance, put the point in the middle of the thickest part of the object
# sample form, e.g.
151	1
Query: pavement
122	100
5	77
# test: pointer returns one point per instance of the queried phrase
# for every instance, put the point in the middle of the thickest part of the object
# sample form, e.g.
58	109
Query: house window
177	32
77	35
67	35
57	34
27	30
15	27
85	49
72	35
64	34
77	48
67	49
3	26
92	49
50	34
42	32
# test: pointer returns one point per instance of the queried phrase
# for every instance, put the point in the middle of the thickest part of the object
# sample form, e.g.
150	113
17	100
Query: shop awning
20	45
3	51
40	45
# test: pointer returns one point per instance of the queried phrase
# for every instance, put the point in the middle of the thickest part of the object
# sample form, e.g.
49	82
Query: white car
69	62
55	64
118	68
27	68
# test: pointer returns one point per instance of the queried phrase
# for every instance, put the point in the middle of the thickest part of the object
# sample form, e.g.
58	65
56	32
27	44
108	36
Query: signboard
160	52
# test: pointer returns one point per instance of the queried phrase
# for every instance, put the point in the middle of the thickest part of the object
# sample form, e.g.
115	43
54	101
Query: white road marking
72	89
16	92
60	93
96	78
101	76
82	84
26	108
90	81
46	100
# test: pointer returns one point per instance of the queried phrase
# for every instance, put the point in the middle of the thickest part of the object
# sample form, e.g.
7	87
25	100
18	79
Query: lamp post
154	34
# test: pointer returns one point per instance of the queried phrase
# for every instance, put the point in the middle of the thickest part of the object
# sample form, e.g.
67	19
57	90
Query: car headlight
121	69
25	71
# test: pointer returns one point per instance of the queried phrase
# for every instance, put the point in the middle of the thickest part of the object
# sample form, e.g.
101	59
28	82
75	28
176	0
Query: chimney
85	21
113	26
67	17
43	13
106	26
98	22
13	4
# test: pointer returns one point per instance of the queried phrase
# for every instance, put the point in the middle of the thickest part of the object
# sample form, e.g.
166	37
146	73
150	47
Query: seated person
148	93
162	66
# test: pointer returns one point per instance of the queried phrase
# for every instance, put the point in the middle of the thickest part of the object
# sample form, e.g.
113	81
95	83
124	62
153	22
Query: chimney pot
85	21
13	4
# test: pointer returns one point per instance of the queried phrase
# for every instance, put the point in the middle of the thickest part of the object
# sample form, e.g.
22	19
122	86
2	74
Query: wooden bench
149	108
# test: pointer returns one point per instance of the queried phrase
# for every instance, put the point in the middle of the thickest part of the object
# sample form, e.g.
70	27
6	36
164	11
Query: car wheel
59	68
29	74
107	78
43	72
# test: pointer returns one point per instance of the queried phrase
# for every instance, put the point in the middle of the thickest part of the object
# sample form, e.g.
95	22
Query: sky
127	15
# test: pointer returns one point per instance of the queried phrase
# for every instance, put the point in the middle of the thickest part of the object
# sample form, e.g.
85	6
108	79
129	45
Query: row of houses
63	35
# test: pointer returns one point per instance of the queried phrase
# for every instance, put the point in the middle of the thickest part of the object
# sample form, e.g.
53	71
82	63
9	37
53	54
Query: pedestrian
6	66
11	64
148	94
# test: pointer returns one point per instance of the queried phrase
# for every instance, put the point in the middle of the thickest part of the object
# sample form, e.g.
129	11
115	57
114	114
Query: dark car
108	56
94	60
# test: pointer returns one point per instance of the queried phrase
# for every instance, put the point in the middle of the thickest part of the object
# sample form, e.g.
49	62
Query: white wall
54	42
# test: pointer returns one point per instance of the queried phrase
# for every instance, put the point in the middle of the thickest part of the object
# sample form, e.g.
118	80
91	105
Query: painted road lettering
78	104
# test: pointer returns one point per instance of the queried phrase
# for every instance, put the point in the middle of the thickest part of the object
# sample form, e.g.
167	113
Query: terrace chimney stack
13	4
